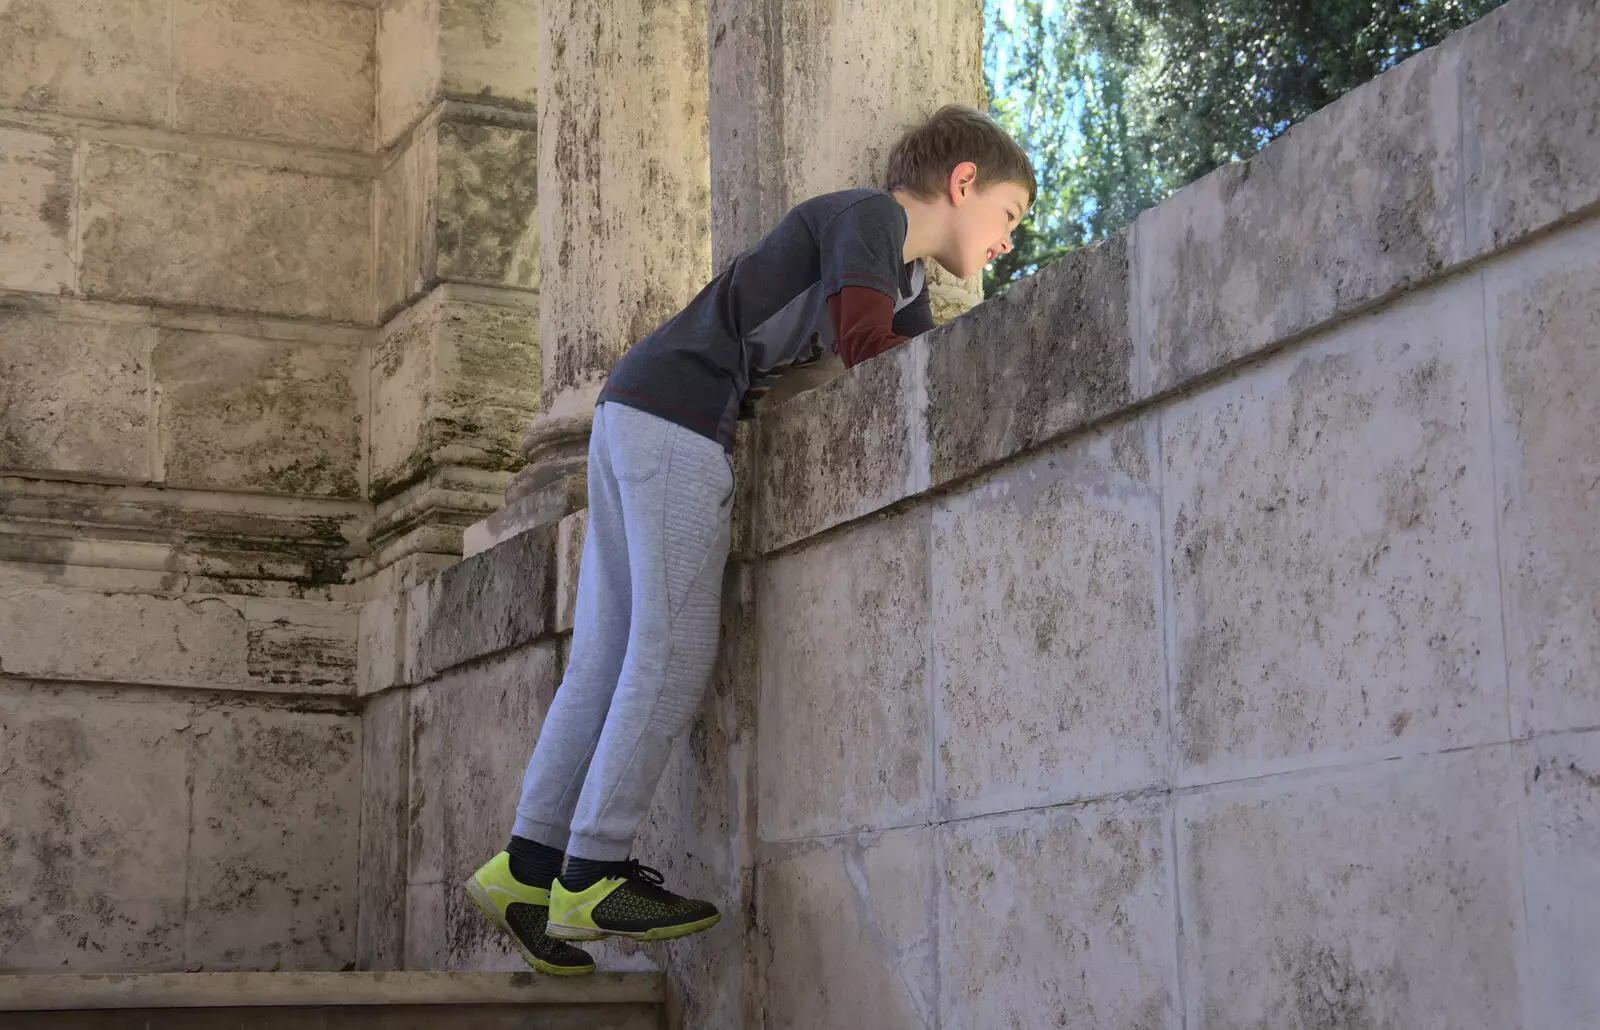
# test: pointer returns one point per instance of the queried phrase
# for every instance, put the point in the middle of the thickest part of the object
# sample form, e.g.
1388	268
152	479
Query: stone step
332	1001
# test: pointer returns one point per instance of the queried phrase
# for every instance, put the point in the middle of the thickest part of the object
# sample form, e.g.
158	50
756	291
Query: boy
843	271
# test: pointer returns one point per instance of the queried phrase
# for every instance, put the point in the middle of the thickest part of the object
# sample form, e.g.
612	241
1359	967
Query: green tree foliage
1121	102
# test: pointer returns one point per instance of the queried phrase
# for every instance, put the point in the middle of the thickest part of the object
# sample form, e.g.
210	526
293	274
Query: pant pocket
638	442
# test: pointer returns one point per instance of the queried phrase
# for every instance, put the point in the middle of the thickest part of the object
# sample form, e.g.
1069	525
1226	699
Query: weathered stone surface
1531	118
1049	671
844	736
74	396
1381	896
1243	258
490	50
1051	354
105	58
273	839
1063	917
407	216
848	931
36	211
1561	875
472	732
409	64
840	451
624	182
236	413
94	833
487	603
380	643
298	70
571	534
385	819
488	205
187	229
1543	312
1332	545
199	641
519	515
453	381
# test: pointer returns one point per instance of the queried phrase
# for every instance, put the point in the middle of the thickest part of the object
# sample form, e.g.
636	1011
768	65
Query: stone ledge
498	599
201	641
300	157
1398	184
50	992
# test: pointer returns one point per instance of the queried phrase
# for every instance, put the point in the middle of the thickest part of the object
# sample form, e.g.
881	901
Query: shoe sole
563	932
492	913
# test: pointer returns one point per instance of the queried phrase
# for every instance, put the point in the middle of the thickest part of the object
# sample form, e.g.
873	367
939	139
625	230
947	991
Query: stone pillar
624	226
455	370
808	97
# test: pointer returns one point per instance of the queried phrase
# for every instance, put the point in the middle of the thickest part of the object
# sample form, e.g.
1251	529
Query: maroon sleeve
863	322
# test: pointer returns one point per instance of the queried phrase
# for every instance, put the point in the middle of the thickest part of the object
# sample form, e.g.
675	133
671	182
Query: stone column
624	223
809	96
455	372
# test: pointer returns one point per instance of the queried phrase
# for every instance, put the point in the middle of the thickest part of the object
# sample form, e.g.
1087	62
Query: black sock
583	873
533	863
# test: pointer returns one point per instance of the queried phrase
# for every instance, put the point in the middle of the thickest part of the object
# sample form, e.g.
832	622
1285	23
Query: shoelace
636	870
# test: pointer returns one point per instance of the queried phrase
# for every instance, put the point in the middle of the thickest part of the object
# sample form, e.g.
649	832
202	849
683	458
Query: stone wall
1205	633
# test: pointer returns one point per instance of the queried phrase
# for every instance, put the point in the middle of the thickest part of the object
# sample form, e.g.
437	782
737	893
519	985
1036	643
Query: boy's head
972	178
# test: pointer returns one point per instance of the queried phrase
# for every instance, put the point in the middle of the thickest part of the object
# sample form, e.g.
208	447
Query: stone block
274	836
94	834
488	215
380	644
489	50
37	200
571	535
410	64
74	396
407	218
1531	118
1061	917
498	599
295	70
1386	895
847	927
103	58
546	504
1049	678
238	643
458	202
1243	258
1331	538
472	732
236	413
1543	312
186	229
1561	875
1051	354
843	710
453	381
385	817
841	451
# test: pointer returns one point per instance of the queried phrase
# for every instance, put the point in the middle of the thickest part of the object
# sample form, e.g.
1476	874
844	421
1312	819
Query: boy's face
984	220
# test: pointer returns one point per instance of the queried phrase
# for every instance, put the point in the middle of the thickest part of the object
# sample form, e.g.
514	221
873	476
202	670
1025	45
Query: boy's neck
925	224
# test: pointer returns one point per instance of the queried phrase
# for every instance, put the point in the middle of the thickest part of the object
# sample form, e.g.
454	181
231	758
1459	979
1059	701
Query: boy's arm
862	265
863	324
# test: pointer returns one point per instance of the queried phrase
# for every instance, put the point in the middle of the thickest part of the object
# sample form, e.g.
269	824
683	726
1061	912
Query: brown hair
922	160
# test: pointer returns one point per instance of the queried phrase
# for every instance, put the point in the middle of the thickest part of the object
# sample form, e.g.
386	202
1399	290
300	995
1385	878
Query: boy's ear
963	182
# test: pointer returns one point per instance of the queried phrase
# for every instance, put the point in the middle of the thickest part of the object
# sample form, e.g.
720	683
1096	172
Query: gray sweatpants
644	636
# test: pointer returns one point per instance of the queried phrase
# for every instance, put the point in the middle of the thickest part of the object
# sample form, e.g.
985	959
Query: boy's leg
677	495
560	761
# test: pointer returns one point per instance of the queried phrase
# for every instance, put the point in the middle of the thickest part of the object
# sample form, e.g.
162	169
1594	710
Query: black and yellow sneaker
522	912
632	904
